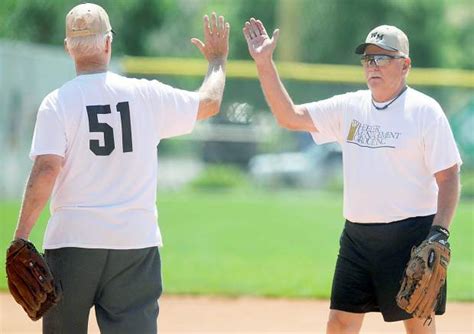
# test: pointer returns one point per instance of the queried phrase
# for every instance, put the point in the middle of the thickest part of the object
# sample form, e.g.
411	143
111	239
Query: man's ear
406	64
108	44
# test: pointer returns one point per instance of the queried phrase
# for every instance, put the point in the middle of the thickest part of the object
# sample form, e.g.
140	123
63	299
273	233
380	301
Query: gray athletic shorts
123	285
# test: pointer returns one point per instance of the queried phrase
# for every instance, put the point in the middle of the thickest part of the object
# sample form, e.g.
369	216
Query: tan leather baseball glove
424	276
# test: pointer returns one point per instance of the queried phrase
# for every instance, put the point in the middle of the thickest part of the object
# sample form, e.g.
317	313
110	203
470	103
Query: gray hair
87	45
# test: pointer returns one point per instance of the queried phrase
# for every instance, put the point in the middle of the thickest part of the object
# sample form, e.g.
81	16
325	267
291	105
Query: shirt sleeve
440	149
49	136
327	118
176	109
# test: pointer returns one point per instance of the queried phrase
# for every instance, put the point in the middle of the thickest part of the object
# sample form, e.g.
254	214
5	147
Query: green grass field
281	244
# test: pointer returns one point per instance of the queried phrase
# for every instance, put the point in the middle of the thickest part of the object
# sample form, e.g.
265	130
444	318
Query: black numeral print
108	131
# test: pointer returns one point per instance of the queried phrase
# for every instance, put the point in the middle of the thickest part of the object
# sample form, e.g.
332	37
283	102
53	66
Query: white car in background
313	167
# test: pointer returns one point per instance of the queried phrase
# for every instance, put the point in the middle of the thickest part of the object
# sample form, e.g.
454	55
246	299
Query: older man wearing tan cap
401	165
94	152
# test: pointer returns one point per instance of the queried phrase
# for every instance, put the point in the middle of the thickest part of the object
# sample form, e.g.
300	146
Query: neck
389	103
90	66
384	97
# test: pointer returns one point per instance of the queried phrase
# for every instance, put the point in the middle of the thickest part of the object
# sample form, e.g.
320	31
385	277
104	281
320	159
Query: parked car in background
313	167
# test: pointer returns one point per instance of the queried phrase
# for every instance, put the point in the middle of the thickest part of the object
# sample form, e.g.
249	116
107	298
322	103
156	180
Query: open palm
216	38
260	45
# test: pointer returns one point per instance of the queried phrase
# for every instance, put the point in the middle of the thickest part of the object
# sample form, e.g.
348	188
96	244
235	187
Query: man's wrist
21	235
438	233
218	61
264	62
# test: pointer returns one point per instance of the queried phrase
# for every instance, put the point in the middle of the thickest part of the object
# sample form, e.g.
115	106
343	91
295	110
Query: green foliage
441	32
220	177
42	21
334	41
34	21
145	16
264	10
265	244
29	19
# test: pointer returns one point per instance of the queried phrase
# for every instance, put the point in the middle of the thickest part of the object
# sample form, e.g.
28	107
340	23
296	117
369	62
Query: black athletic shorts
371	263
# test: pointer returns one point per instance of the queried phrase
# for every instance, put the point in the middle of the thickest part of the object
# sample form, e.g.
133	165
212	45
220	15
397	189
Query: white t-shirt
389	156
107	128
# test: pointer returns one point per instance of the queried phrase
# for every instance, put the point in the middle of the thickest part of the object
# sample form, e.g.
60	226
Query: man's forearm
38	189
448	197
214	81
275	93
212	89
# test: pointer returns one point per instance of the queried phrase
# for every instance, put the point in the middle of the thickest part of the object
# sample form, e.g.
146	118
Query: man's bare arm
261	48
215	49
38	190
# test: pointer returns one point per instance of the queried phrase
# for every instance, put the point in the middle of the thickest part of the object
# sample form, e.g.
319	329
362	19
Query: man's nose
372	63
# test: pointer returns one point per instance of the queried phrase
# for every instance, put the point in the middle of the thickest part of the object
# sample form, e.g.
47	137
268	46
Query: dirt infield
247	315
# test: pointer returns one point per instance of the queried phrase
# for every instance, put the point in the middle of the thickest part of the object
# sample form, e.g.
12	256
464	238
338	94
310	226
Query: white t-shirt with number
107	128
389	156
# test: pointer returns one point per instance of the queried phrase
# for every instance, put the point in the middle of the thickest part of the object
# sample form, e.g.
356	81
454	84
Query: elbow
48	167
49	171
287	117
214	107
294	119
287	123
208	108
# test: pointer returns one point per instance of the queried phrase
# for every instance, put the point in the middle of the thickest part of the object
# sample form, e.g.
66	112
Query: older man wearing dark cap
401	172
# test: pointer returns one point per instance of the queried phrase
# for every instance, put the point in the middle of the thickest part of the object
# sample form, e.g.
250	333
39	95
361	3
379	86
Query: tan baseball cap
87	19
386	37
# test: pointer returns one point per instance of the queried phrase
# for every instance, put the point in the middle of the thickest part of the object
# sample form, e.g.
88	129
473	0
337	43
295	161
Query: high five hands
260	45
216	38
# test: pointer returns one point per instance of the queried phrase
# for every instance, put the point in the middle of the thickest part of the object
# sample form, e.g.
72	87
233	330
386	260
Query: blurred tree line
441	32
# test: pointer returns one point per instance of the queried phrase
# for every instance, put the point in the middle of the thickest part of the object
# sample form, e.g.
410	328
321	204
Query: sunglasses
378	60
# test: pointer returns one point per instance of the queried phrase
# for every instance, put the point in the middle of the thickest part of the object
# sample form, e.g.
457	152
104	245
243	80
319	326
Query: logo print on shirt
371	136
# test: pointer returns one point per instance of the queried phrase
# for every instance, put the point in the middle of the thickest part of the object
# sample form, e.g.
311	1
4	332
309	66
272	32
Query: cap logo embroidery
80	24
377	36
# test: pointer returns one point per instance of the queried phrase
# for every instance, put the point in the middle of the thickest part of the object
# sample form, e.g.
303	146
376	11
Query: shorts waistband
418	218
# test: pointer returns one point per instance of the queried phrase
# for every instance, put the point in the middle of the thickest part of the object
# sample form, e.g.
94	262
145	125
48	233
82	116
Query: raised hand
216	38
260	45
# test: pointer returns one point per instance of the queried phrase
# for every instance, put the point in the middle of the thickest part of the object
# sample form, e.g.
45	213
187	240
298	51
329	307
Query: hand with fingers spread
216	38
261	48
260	45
